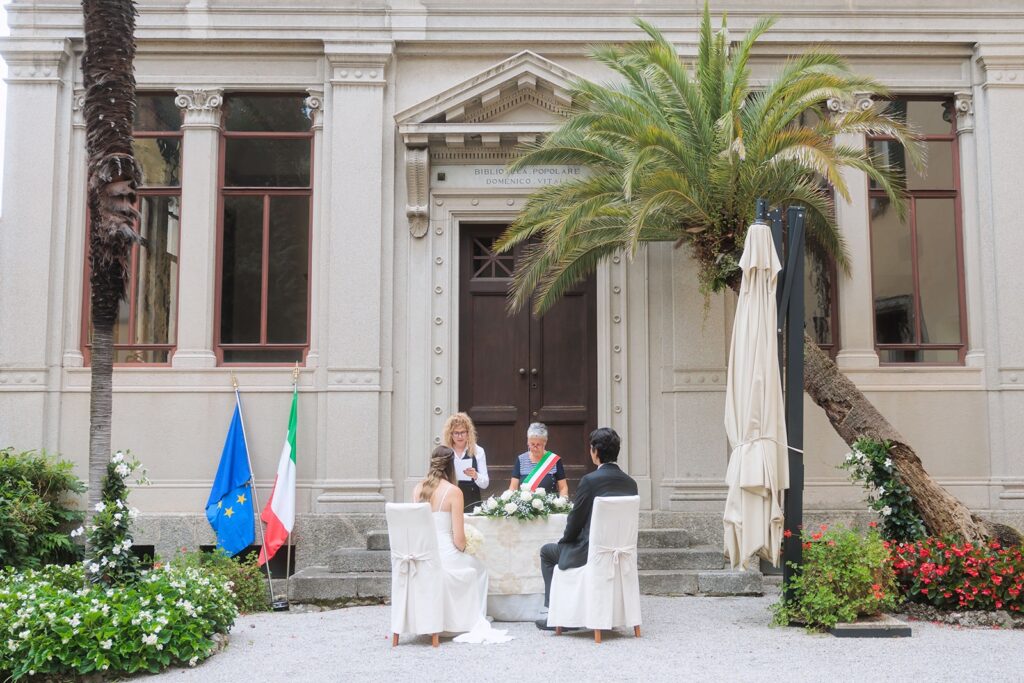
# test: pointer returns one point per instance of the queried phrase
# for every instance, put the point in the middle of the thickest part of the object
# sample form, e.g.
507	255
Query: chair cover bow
408	562
617	552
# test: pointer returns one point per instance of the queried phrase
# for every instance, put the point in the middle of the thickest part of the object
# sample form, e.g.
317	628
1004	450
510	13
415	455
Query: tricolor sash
541	470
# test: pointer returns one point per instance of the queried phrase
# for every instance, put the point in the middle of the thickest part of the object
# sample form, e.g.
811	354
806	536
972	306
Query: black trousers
549	553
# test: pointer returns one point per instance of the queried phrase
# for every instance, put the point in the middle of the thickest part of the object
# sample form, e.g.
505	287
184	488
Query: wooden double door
515	369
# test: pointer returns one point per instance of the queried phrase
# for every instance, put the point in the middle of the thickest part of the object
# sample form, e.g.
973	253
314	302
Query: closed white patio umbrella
758	469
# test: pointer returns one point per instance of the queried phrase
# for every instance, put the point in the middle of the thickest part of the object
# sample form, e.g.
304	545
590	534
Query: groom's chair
425	598
605	592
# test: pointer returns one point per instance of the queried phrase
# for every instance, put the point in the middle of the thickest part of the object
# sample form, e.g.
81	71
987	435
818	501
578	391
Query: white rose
524	487
887	511
506	495
540	491
561	501
538	504
510	508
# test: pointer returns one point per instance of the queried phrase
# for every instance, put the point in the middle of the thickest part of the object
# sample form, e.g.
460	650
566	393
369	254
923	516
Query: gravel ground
717	639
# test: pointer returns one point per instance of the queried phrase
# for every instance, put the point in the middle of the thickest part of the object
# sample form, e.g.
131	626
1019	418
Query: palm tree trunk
107	70
853	416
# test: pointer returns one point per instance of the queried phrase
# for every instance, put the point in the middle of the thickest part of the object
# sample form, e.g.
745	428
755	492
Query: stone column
353	464
77	230
198	250
963	109
32	238
856	307
999	106
315	103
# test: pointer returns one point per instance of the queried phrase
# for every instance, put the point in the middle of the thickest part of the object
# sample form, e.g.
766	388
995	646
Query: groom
607	480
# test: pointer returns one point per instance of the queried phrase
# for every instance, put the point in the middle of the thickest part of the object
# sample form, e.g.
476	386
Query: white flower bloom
537	504
93	568
122	470
510	508
886	511
888	463
100	507
192	662
149	639
25	634
506	495
75	620
107	644
117	516
540	491
117	457
561	501
116	550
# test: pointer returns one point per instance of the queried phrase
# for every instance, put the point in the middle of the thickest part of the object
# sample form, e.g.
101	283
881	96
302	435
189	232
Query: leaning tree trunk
113	175
853	416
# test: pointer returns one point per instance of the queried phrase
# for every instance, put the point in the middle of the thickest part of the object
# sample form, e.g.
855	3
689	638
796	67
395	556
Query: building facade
323	184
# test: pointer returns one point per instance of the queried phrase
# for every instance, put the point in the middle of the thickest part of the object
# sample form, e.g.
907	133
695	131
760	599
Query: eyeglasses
459	433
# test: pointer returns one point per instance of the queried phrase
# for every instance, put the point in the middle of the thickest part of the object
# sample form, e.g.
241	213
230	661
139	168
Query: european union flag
230	507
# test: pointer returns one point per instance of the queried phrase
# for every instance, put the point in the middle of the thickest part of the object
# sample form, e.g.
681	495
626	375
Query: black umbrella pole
792	547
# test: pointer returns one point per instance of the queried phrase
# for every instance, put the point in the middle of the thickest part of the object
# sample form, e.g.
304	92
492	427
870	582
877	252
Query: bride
446	505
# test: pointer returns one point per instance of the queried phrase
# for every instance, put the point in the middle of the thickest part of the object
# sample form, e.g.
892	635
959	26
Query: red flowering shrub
844	575
952	575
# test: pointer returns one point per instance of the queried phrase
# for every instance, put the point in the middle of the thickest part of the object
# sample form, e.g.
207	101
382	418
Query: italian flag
546	464
279	514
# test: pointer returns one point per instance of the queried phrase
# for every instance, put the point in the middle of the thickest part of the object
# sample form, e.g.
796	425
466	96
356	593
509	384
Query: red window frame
140	193
267	193
913	195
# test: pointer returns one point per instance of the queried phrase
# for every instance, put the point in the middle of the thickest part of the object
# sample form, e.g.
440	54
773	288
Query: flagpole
288	540
252	485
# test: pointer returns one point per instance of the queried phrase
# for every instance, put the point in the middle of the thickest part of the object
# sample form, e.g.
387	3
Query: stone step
700	557
378	540
664	538
318	585
356	560
697	582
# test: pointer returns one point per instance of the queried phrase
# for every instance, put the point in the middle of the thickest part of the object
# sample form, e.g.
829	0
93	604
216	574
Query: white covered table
511	553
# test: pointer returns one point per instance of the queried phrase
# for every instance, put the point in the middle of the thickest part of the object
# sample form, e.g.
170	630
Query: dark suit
571	551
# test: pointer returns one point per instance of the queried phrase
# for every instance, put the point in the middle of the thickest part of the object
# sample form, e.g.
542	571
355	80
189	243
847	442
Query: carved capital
78	108
202	106
315	103
859	102
963	108
417	177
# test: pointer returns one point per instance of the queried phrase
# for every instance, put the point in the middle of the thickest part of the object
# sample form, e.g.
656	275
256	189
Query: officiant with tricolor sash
538	467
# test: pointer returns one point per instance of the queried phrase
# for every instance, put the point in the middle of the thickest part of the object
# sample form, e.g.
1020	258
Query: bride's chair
605	592
425	598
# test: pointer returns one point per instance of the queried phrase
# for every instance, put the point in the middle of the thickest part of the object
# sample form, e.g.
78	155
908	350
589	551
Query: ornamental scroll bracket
417	176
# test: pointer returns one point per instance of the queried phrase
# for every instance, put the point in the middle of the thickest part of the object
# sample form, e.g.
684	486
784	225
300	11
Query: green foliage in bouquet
524	504
36	509
844	575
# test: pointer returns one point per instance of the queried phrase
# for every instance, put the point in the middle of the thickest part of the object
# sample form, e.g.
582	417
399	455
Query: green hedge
52	627
36	513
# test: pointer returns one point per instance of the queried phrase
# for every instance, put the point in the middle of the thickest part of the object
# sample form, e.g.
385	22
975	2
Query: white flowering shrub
524	504
51	627
870	465
110	559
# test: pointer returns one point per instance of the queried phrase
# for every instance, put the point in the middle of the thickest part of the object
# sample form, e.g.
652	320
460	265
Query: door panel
514	370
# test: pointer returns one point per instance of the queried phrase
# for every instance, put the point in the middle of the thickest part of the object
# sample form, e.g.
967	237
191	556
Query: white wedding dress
480	630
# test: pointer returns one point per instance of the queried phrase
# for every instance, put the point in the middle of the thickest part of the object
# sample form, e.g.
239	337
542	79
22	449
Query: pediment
481	120
525	88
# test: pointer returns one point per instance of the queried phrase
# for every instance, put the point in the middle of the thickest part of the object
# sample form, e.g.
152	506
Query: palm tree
113	176
683	158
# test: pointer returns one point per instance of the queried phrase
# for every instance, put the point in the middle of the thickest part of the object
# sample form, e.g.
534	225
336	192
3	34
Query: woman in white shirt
470	459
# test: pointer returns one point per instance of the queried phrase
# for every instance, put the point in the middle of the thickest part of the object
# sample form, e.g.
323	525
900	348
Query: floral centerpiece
524	504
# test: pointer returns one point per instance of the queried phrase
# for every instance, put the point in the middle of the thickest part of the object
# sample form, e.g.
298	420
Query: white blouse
461	463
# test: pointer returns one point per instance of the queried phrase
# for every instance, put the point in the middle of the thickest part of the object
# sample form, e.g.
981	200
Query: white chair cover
425	597
605	592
